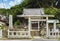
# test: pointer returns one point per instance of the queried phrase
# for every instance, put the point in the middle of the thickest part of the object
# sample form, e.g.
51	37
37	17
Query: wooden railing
18	34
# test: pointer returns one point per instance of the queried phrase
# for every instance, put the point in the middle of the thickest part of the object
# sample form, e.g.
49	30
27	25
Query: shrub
2	26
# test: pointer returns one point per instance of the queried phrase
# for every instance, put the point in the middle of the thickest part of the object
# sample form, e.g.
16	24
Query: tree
18	9
51	11
57	16
3	11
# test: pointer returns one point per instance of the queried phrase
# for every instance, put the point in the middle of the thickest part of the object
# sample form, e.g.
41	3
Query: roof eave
35	15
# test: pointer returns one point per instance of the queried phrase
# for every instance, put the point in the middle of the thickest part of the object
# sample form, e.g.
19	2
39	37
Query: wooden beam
35	15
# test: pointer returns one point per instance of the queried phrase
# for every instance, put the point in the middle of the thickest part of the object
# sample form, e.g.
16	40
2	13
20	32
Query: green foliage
18	9
17	22
2	26
58	14
3	11
51	11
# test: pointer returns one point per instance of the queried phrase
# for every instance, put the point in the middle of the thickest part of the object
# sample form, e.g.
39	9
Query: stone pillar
10	21
47	27
0	33
54	26
29	25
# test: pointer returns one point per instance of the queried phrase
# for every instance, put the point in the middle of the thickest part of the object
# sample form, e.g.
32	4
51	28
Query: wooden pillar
38	26
10	21
47	27
29	24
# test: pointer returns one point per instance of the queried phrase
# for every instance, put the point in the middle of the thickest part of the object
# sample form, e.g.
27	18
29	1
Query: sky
9	3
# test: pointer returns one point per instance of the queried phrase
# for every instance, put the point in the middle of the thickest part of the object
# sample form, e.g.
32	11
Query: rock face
3	18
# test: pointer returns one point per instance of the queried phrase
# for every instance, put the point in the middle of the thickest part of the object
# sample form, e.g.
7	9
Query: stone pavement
45	40
15	40
33	40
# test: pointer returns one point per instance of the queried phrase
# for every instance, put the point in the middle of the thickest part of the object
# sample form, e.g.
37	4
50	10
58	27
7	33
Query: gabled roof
34	11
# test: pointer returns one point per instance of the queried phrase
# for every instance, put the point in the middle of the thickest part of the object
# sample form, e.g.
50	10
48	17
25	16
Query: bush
2	26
